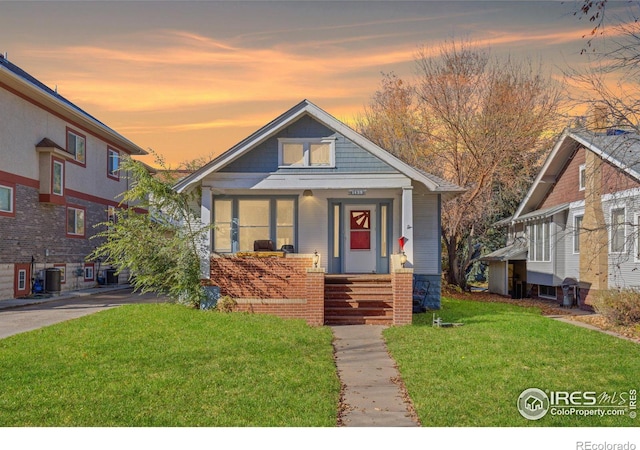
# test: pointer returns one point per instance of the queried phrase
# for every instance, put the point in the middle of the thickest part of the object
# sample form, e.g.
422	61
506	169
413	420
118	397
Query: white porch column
205	218
407	223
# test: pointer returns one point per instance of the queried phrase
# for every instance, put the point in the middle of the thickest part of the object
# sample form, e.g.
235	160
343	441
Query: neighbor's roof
305	107
16	79
621	149
513	252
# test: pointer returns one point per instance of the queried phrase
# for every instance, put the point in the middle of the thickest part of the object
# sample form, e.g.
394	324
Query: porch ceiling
308	181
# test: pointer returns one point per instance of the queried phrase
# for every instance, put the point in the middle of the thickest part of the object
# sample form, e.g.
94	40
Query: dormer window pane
292	154
320	154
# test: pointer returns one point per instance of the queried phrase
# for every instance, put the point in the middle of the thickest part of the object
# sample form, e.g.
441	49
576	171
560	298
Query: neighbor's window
582	182
306	153
547	291
75	221
617	230
6	199
89	273
539	241
637	233
577	226
113	163
57	177
76	144
22	280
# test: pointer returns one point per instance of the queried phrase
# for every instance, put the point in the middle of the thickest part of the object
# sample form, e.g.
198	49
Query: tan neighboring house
59	176
577	225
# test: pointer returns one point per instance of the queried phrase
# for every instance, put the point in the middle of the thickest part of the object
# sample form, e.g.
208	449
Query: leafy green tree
156	235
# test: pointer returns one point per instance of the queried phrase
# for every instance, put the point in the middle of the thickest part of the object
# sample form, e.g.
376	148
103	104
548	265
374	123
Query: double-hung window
75	221
539	241
294	152
113	164
6	200
76	144
57	177
617	230
582	180
577	227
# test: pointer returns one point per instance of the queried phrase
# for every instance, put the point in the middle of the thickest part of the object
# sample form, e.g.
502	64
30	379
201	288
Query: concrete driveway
27	318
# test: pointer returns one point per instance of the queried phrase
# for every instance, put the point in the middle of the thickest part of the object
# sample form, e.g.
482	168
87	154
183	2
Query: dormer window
294	152
76	145
582	182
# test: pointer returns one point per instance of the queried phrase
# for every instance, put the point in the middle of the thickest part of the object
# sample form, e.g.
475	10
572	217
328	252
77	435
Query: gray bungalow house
307	194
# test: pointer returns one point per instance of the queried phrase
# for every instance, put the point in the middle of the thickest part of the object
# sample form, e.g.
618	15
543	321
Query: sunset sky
190	79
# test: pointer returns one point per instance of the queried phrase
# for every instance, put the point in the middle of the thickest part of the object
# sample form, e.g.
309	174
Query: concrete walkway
371	395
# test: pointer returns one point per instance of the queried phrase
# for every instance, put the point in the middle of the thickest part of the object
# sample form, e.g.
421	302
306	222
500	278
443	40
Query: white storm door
360	239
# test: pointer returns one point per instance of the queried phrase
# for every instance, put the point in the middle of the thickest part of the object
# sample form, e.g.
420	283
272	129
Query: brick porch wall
402	288
288	287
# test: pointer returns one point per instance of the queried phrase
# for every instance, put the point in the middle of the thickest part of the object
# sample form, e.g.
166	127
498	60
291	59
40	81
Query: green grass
472	375
167	365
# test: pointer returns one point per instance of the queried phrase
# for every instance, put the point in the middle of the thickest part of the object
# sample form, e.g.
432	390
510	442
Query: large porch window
239	221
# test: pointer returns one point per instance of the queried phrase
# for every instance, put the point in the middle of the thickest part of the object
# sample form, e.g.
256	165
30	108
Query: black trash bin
53	280
111	277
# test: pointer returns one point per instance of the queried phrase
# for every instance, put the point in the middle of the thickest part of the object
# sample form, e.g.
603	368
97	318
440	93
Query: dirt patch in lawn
549	308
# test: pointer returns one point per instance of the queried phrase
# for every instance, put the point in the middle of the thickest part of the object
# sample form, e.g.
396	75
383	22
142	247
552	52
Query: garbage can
212	295
52	280
111	277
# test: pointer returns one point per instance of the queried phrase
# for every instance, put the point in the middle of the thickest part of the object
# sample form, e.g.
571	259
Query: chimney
598	119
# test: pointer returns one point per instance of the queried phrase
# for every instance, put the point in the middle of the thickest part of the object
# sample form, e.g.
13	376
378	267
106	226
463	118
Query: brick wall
402	287
37	227
288	287
567	187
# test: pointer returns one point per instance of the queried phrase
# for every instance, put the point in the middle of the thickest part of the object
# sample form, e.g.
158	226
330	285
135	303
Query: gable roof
305	107
620	149
20	81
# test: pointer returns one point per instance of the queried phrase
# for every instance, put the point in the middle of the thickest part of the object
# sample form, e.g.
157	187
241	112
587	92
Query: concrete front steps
358	299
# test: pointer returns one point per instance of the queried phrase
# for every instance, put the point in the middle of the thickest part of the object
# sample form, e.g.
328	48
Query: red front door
22	280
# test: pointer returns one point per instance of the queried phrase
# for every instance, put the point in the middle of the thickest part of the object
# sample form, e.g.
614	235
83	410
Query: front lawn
473	375
167	365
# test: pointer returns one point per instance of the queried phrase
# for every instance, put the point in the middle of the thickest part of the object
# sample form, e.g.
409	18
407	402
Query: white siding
624	268
426	232
497	277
